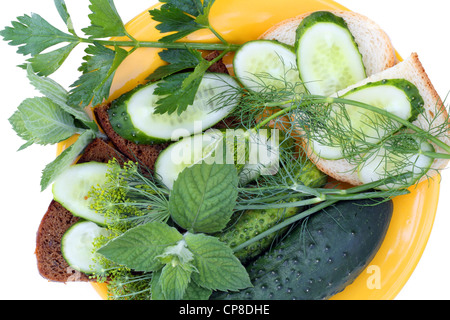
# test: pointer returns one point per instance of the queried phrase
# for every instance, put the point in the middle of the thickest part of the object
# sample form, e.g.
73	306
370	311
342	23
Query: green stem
218	35
386	113
285	223
165	45
435	155
321	99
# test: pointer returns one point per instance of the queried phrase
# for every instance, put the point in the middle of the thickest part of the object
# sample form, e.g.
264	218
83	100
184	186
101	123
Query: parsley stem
166	45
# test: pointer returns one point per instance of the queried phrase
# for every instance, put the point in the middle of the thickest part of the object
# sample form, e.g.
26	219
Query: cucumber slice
263	155
132	115
77	246
328	58
252	153
71	189
398	96
262	64
382	164
187	152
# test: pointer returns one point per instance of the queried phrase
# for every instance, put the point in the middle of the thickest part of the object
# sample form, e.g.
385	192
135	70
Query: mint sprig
195	260
50	120
189	265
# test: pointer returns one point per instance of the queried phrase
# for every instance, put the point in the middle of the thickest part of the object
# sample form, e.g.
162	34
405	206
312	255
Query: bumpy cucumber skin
249	225
253	222
320	258
410	90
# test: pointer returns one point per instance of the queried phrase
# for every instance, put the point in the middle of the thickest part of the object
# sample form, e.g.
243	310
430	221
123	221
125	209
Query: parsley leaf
182	17
105	20
47	63
203	197
98	71
178	59
64	14
178	91
33	34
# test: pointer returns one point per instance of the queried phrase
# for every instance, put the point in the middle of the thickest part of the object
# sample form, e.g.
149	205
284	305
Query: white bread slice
374	45
412	70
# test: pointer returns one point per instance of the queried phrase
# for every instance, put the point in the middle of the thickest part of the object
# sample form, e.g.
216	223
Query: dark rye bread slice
50	262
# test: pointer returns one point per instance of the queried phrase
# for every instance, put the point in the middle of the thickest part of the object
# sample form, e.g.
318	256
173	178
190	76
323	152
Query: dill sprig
326	120
129	197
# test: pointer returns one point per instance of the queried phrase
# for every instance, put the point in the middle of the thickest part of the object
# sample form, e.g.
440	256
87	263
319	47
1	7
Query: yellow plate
239	21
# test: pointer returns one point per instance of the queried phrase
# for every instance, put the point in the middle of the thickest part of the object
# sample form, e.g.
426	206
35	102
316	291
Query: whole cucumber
321	256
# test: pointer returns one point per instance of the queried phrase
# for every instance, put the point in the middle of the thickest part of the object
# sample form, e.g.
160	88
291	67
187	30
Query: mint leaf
174	280
33	34
178	59
203	197
65	159
139	247
105	20
52	90
218	268
46	121
192	292
98	71
47	63
155	284
195	292
21	130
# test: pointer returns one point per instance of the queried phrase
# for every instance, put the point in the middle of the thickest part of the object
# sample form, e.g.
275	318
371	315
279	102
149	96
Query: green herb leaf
182	17
21	130
98	72
203	197
59	95
174	280
105	20
192	292
65	159
178	59
46	121
139	247
64	14
33	34
177	93
218	268
47	63
195	292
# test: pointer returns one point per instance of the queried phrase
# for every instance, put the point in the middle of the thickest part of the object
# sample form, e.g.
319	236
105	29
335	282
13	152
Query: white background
413	25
